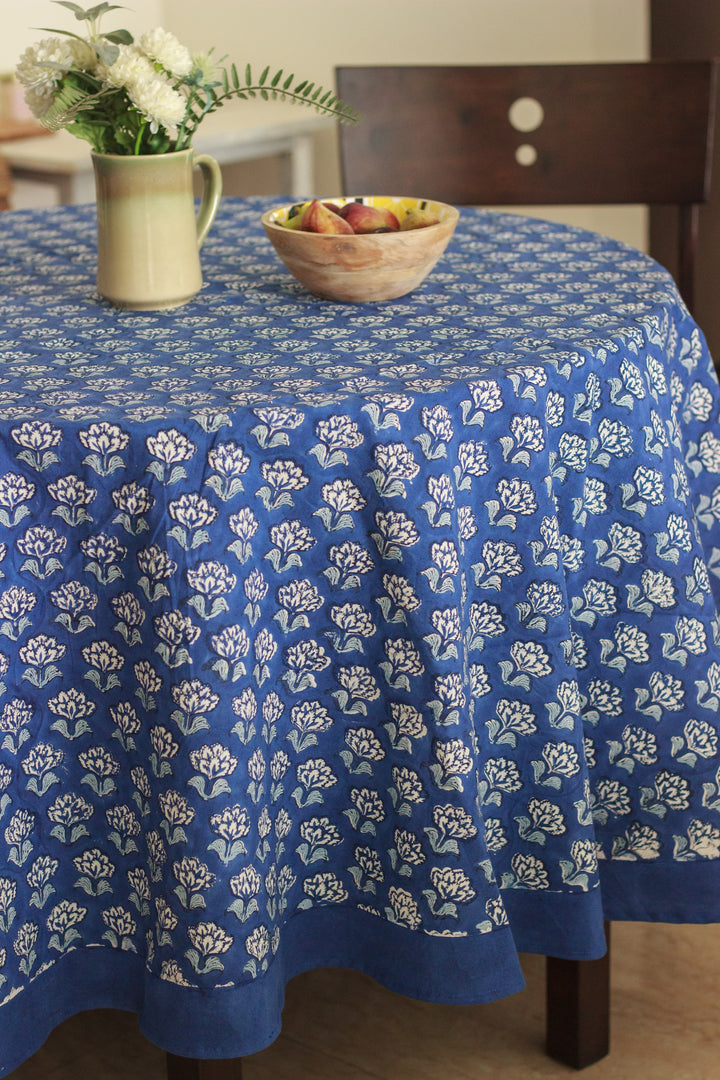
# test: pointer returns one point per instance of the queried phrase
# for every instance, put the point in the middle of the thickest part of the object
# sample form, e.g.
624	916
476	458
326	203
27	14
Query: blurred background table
231	135
11	129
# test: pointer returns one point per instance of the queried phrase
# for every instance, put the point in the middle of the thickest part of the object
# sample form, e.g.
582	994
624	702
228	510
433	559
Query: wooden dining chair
530	135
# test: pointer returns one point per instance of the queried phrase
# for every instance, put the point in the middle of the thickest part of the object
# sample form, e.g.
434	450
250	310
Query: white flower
38	99
129	67
156	99
134	72
153	94
164	47
205	67
40	79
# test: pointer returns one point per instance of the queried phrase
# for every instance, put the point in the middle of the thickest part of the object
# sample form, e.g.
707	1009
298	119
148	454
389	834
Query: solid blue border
661	892
567	925
236	1021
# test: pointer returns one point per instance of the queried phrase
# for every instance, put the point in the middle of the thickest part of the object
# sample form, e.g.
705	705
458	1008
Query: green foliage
303	93
91	14
205	98
69	102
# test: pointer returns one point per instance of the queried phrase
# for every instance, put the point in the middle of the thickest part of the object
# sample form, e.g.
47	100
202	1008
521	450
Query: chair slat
611	133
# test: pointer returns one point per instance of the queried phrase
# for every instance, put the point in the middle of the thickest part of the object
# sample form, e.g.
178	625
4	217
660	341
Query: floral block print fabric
383	636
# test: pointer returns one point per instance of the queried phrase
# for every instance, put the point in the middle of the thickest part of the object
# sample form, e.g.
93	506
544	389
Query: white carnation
38	100
39	79
84	56
31	70
164	47
130	66
157	100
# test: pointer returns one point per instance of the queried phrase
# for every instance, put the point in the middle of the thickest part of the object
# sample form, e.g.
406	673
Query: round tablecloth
383	636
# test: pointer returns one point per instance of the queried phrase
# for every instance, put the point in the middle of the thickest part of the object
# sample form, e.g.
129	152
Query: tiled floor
339	1025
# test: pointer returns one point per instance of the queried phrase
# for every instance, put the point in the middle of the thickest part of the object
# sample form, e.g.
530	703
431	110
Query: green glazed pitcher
149	236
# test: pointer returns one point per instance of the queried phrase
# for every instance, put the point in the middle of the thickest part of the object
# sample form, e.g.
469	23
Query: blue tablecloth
382	636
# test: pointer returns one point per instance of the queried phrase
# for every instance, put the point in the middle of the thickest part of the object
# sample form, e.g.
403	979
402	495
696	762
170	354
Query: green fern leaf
68	102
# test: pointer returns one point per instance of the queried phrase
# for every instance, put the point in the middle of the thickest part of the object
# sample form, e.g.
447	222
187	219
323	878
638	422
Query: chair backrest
607	133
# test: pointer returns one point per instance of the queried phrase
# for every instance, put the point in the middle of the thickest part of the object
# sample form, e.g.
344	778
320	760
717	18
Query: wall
312	37
309	39
19	17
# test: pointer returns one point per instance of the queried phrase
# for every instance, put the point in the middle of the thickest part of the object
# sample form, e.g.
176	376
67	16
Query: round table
382	636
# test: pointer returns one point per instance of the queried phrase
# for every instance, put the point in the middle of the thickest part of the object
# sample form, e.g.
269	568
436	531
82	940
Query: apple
418	219
318	219
369	219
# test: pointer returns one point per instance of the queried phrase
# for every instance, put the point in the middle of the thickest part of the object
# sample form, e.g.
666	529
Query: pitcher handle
212	190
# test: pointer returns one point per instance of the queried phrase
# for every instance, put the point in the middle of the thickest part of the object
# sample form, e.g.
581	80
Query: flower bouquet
142	97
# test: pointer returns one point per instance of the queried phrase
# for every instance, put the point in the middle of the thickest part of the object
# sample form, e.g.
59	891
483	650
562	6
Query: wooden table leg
182	1068
578	1009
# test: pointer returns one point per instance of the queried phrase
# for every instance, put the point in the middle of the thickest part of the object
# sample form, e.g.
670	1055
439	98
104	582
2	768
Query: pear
369	219
418	219
294	216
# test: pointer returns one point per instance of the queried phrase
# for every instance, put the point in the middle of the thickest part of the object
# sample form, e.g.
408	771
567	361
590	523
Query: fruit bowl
366	267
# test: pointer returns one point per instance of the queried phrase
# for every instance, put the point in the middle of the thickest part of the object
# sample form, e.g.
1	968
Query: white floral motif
281	477
169	448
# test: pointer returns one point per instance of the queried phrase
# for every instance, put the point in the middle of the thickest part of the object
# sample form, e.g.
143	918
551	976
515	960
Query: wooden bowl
363	268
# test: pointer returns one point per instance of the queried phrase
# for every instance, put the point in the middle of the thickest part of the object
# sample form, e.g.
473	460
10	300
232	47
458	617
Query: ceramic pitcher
149	236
